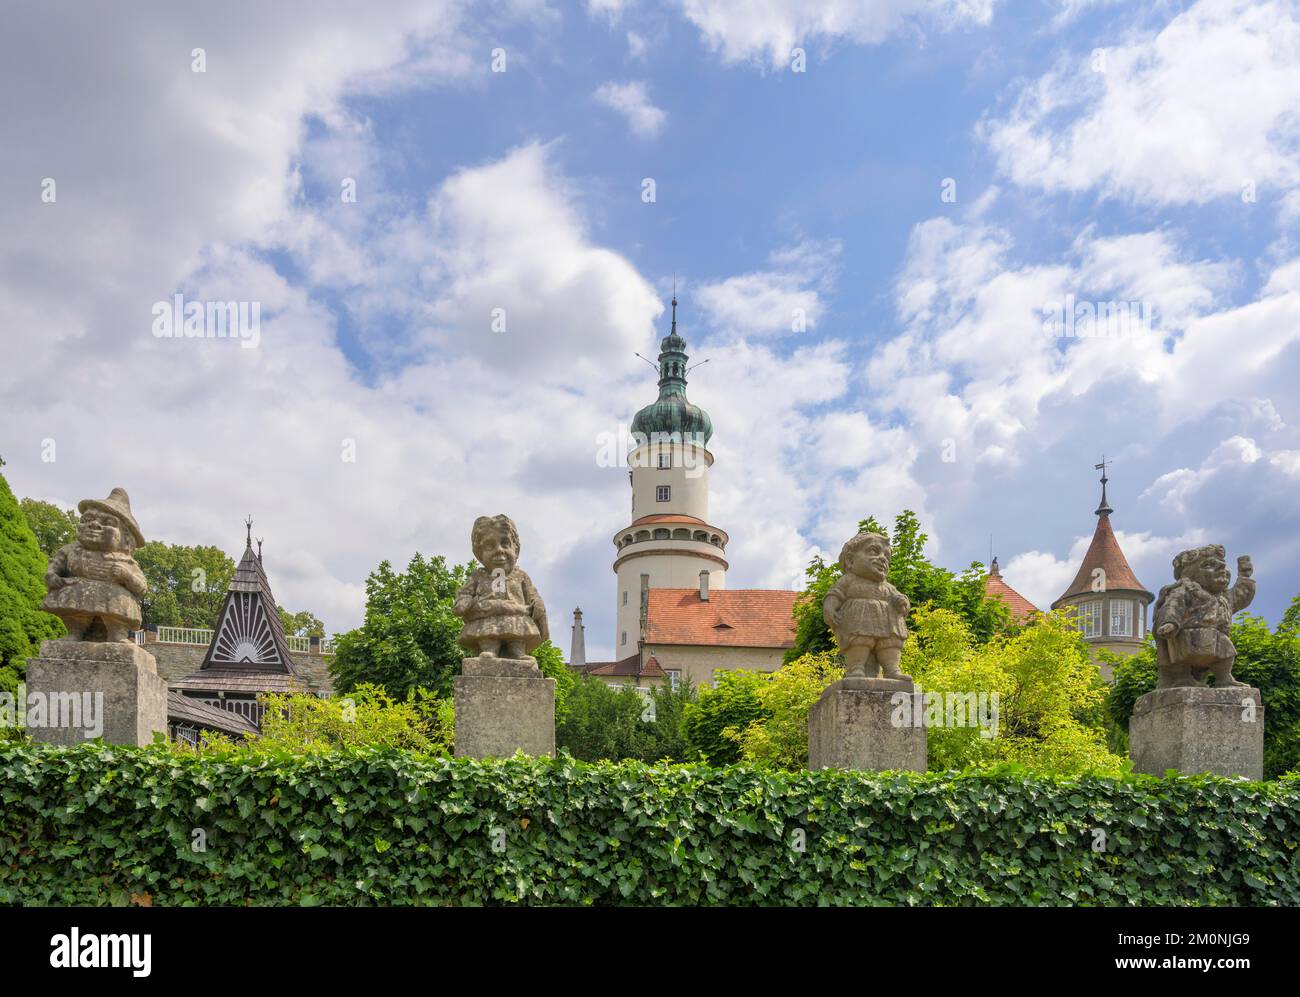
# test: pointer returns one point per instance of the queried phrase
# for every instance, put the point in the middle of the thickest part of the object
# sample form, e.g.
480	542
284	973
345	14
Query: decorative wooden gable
249	634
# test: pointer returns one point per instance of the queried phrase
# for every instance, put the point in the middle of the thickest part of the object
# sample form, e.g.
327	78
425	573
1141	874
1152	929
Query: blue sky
1099	151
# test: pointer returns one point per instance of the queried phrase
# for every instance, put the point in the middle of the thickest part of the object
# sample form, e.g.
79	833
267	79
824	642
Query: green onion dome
671	412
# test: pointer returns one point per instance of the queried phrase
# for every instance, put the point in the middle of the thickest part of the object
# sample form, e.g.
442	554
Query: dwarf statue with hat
95	585
1192	617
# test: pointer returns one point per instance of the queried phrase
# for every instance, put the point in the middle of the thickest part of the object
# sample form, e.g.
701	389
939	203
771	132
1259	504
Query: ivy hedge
97	824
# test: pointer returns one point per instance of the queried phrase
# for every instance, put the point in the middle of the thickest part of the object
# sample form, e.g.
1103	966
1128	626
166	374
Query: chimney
704	586
645	603
578	652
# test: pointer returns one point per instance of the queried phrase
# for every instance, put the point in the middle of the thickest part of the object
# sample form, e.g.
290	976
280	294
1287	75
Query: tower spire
1104	508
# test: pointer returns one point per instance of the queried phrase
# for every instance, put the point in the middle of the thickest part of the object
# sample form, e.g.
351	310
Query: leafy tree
366	716
551	661
186	584
23	625
1267	659
408	639
54	527
303	624
1049	694
780	738
911	572
612	722
731	702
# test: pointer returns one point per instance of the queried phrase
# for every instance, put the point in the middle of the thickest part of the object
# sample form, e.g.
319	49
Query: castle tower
1110	602
669	541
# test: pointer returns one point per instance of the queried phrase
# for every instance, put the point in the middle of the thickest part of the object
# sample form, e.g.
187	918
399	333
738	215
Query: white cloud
766	32
1187	114
785	299
632	100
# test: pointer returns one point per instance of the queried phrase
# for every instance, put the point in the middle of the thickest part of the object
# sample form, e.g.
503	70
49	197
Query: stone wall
175	661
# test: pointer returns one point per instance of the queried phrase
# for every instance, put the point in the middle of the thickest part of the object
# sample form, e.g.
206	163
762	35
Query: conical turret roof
1104	561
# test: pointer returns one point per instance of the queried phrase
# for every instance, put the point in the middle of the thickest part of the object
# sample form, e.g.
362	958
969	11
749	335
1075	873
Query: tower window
663	493
665	460
625	597
624	641
1090	618
1121	618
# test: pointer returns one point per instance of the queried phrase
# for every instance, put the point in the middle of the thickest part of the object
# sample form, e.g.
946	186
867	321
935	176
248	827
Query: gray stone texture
134	703
851	727
1198	729
502	707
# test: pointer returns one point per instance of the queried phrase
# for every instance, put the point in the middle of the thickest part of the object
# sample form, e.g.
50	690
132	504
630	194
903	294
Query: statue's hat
120	506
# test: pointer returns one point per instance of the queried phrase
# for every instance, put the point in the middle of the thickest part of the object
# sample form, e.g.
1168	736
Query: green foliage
1049	695
54	527
303	624
551	661
1268	660
367	716
408	639
911	572
604	722
96	824
731	702
23	625
779	738
186	584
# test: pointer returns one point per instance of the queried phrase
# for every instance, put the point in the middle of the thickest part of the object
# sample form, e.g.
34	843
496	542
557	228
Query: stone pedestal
79	690
1198	730
852	727
504	705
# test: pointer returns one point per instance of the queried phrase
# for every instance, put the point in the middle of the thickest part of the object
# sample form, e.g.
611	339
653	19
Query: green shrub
367	716
96	824
731	702
780	736
611	723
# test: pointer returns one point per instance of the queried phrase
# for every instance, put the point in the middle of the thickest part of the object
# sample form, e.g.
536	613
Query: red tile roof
628	666
730	617
668	517
1021	608
1103	553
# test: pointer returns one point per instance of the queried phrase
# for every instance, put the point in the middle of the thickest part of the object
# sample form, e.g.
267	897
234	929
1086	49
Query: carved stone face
495	550
1212	574
871	561
100	530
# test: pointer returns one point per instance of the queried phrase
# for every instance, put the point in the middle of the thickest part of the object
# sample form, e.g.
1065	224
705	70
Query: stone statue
94	584
867	615
504	616
1192	617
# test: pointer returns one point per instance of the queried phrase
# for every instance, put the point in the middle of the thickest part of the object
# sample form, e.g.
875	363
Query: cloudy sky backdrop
1099	150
